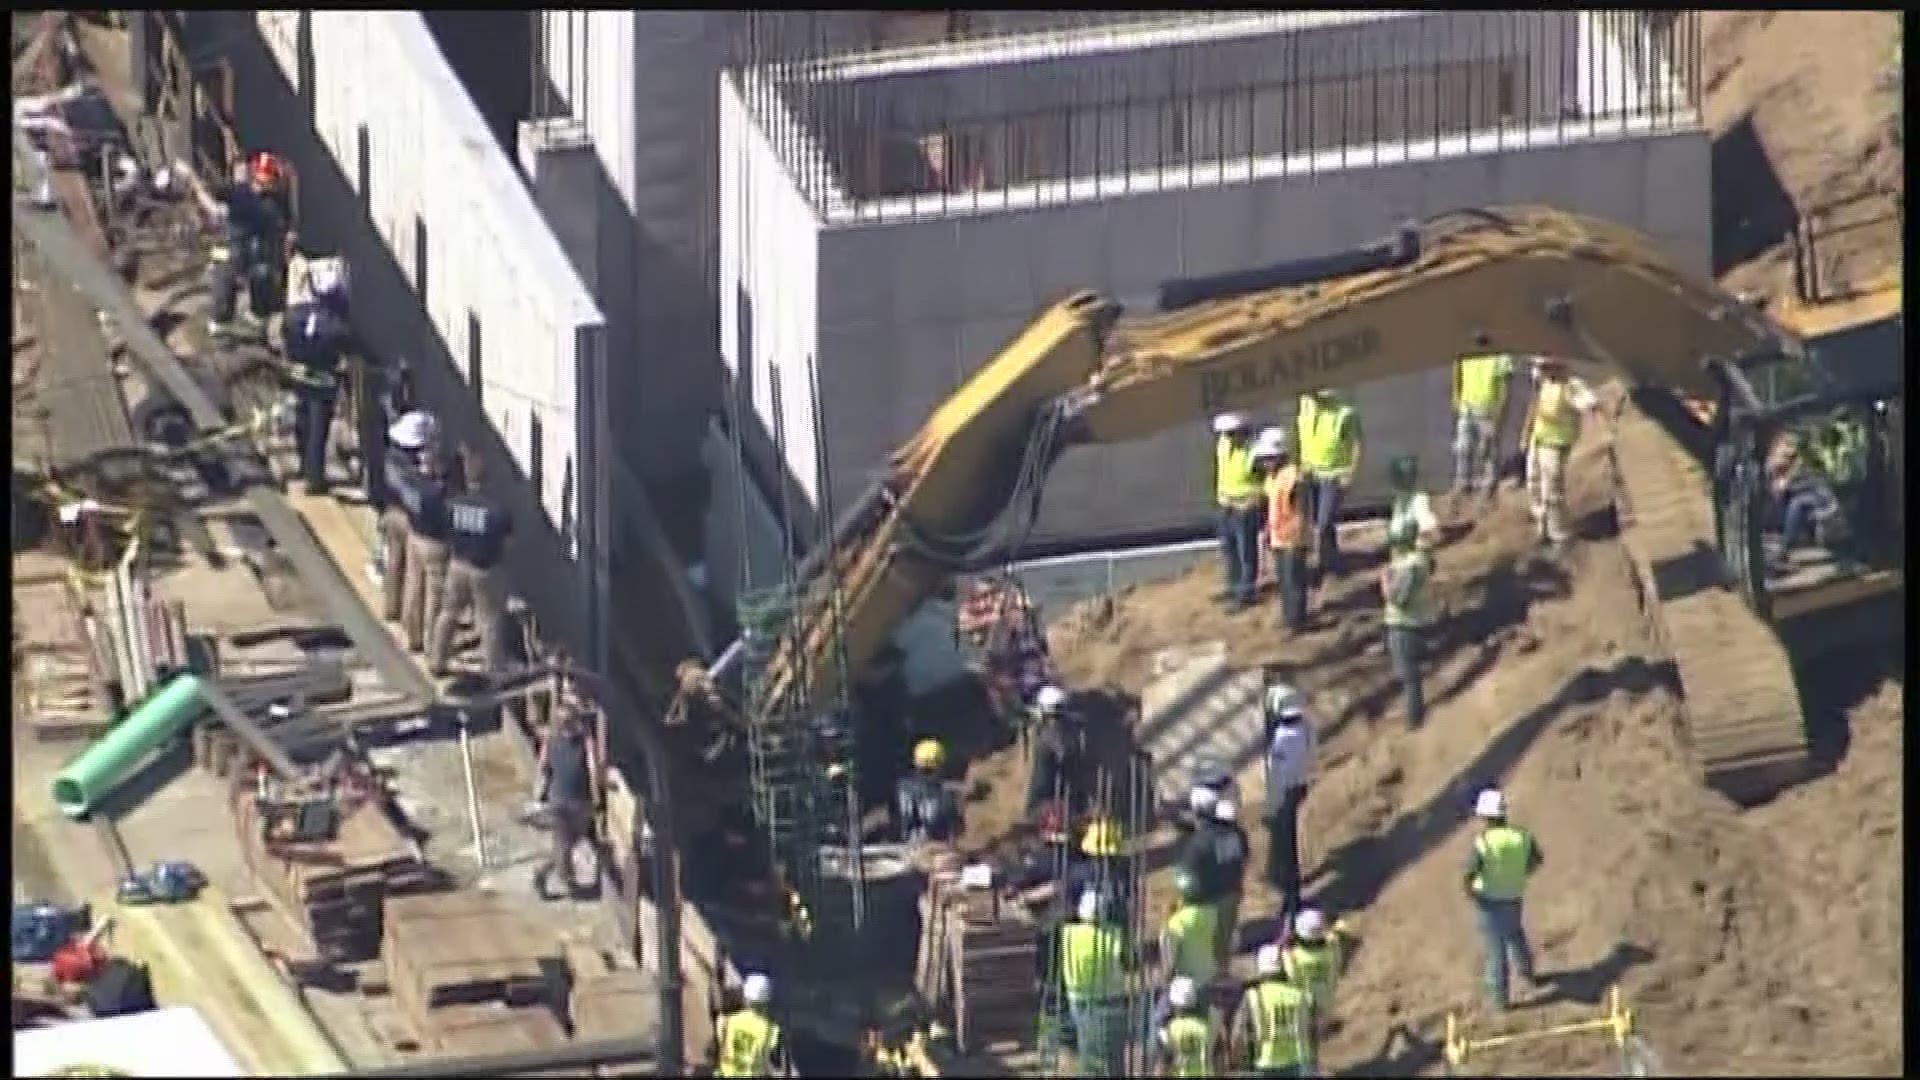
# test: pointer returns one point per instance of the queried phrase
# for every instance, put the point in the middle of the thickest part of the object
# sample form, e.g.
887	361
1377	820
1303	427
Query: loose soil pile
1749	942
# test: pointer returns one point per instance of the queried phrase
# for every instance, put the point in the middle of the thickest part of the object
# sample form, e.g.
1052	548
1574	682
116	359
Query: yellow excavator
1525	280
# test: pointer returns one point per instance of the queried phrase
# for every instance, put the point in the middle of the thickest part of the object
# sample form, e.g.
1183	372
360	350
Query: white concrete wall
769	257
907	309
491	261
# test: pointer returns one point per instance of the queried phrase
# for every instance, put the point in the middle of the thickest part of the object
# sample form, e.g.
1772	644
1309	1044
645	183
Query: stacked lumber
977	956
334	890
471	974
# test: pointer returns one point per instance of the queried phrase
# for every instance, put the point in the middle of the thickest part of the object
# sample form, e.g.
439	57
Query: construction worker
1501	861
749	1041
1058	744
1230	839
1200	848
1559	403
1237	493
1183	1045
1405	582
924	808
417	482
1187	938
314	338
570	774
1289	763
1273	1023
1411	512
258	216
1092	971
1285	490
1328	428
1102	867
1480	384
1313	960
478	528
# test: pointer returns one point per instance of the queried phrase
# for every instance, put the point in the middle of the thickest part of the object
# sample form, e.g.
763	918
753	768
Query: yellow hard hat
1102	838
928	754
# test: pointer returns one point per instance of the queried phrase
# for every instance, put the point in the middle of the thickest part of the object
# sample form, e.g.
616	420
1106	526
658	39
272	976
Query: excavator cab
1791	427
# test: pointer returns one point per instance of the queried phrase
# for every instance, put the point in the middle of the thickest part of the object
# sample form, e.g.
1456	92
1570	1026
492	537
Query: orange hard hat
266	169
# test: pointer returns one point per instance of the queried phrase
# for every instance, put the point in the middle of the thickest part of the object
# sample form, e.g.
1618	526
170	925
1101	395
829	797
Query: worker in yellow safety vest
1502	859
1405	582
1480	385
1559	403
1328	427
1273	1026
749	1041
1092	971
1238	495
1313	961
1183	1045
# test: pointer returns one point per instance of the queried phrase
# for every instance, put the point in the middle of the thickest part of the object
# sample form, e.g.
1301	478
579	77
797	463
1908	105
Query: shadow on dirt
1363	867
1403	1052
1752	211
1588	985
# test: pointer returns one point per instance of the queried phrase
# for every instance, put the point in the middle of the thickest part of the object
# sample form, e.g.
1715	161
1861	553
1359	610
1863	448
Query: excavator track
1742	714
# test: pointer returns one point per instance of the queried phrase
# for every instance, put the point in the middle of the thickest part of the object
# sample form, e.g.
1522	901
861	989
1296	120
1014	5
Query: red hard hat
266	169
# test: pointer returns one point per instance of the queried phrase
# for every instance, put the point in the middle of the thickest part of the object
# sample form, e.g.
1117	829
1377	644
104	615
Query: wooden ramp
1742	709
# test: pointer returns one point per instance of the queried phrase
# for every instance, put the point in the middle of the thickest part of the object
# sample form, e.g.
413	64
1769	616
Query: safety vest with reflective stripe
1312	967
1414	610
1279	1012
1504	854
1327	444
1284	519
1090	960
1556	421
1480	382
1194	929
1191	1041
1234	478
1841	451
747	1042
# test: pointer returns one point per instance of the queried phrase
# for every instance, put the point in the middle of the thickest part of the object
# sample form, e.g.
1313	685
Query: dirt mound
1747	942
1804	109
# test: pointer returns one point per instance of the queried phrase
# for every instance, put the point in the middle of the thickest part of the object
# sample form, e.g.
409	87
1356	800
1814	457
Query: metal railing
1180	102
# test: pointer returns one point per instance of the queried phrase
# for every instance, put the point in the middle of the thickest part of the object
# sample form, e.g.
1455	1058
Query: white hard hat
1089	906
1309	924
756	989
1490	804
413	430
1224	810
1282	700
1228	421
1201	799
1267	960
1180	992
327	276
1050	697
1271	442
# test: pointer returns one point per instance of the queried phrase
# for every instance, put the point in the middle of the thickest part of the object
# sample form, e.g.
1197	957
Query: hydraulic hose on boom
965	488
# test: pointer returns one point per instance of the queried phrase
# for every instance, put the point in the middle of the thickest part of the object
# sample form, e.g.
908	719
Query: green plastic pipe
108	763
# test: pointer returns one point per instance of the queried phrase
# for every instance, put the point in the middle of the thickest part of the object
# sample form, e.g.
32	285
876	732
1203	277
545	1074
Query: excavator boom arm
1525	280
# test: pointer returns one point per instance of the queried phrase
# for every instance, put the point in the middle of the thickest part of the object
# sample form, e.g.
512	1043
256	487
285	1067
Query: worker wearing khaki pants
1558	404
478	529
426	553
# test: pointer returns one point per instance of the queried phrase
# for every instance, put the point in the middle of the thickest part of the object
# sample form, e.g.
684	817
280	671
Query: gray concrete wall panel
881	376
769	260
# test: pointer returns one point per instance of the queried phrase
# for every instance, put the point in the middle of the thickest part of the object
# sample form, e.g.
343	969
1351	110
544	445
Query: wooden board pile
471	974
334	890
977	957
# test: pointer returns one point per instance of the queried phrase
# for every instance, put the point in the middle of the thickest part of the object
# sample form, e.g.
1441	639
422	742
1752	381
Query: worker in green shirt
1405	584
1503	858
1480	384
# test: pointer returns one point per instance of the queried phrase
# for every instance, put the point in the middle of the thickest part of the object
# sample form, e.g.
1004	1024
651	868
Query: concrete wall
769	260
510	350
907	309
1249	87
640	84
